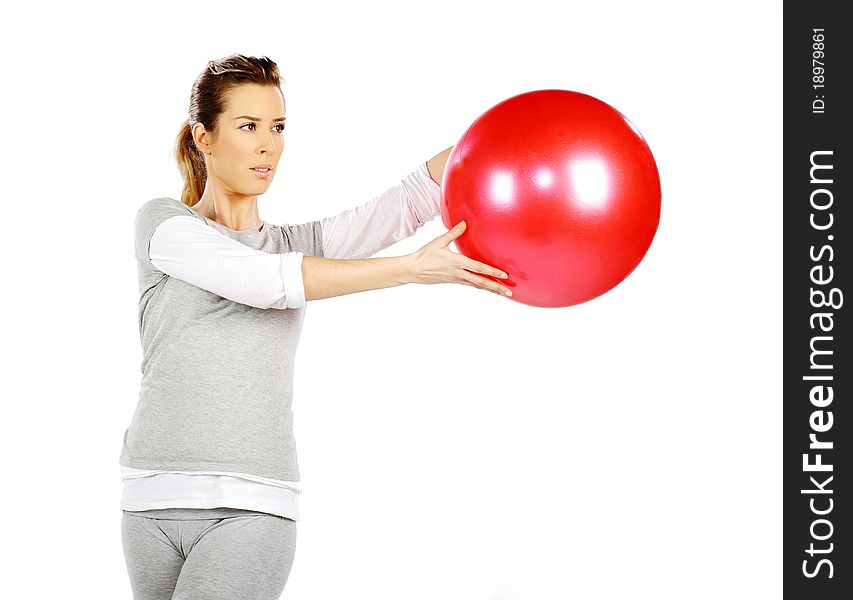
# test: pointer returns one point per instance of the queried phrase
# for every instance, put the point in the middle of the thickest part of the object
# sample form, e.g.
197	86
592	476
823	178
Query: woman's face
250	133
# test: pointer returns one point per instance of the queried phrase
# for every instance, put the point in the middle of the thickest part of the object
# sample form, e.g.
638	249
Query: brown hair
207	102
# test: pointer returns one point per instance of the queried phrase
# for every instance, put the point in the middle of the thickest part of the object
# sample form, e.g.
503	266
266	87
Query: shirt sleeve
185	248
148	217
386	219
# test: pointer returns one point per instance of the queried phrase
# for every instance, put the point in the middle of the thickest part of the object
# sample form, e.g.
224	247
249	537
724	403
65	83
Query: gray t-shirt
217	375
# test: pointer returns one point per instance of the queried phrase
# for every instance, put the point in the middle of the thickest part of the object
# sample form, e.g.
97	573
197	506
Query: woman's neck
237	216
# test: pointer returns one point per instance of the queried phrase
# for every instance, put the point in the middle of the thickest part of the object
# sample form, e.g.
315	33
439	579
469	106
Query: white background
453	444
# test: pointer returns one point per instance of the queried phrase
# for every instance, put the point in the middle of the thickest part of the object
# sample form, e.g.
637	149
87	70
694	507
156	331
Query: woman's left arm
436	165
395	214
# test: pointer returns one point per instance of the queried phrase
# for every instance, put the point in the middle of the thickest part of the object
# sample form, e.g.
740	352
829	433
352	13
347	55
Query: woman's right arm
184	248
327	277
432	263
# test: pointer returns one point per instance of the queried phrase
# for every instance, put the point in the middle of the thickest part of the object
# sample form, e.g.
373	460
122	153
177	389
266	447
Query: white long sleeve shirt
189	249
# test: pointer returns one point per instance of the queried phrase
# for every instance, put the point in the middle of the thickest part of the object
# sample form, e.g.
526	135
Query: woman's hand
436	263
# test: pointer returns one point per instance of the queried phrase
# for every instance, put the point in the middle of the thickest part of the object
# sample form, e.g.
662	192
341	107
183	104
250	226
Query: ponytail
191	166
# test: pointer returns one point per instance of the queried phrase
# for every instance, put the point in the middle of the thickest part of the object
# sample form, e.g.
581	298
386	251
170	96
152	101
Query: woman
209	466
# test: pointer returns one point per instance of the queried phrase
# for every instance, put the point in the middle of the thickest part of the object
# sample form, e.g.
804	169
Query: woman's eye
280	125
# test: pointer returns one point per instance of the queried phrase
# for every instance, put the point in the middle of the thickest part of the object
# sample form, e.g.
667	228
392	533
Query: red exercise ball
559	190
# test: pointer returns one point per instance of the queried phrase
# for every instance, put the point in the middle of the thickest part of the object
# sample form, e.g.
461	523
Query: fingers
483	283
467	267
478	267
470	264
454	233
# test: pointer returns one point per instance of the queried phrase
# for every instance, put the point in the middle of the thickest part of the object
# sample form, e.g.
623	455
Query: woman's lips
262	174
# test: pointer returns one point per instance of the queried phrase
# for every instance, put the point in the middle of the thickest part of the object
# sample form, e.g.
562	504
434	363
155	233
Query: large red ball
559	190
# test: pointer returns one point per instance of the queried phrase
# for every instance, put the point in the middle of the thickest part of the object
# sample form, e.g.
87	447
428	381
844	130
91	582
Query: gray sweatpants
207	553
